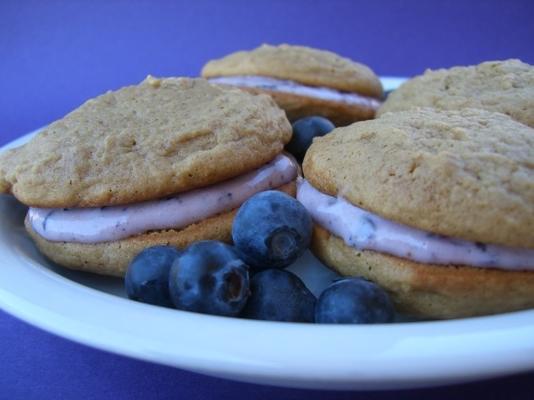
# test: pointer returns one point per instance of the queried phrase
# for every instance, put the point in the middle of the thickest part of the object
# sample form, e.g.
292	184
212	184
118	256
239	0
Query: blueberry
354	301
271	229
304	130
209	278
386	94
147	277
279	295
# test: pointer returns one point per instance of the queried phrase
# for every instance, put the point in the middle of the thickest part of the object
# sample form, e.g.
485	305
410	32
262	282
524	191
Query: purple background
56	54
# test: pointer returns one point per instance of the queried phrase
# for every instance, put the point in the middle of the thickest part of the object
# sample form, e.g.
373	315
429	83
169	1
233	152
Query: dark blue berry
304	130
354	301
209	278
279	295
147	277
271	230
386	94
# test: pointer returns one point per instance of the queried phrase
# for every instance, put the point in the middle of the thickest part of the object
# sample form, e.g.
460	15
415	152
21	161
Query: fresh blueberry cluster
270	231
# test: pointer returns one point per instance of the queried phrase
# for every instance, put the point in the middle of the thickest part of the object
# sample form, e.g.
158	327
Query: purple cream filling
364	230
104	224
279	85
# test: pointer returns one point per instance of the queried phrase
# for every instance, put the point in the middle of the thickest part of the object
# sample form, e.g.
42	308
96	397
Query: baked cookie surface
301	64
467	174
142	142
501	86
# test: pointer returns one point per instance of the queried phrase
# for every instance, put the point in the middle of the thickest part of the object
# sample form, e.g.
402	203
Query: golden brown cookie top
502	86
301	64
142	142
467	174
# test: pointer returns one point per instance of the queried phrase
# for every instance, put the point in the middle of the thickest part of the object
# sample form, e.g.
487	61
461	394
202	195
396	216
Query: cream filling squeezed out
279	85
103	224
364	230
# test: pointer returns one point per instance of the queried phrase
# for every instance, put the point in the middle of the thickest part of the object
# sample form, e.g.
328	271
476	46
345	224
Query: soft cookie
303	81
501	86
164	162
435	206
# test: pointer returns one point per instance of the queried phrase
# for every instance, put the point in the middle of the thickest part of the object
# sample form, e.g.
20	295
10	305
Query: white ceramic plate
92	310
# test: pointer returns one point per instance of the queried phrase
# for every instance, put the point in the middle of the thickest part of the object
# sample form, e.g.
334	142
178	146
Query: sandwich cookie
502	86
166	162
435	206
303	81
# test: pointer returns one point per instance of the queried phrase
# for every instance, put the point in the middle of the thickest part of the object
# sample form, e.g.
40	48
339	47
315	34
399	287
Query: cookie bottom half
112	258
426	290
296	106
